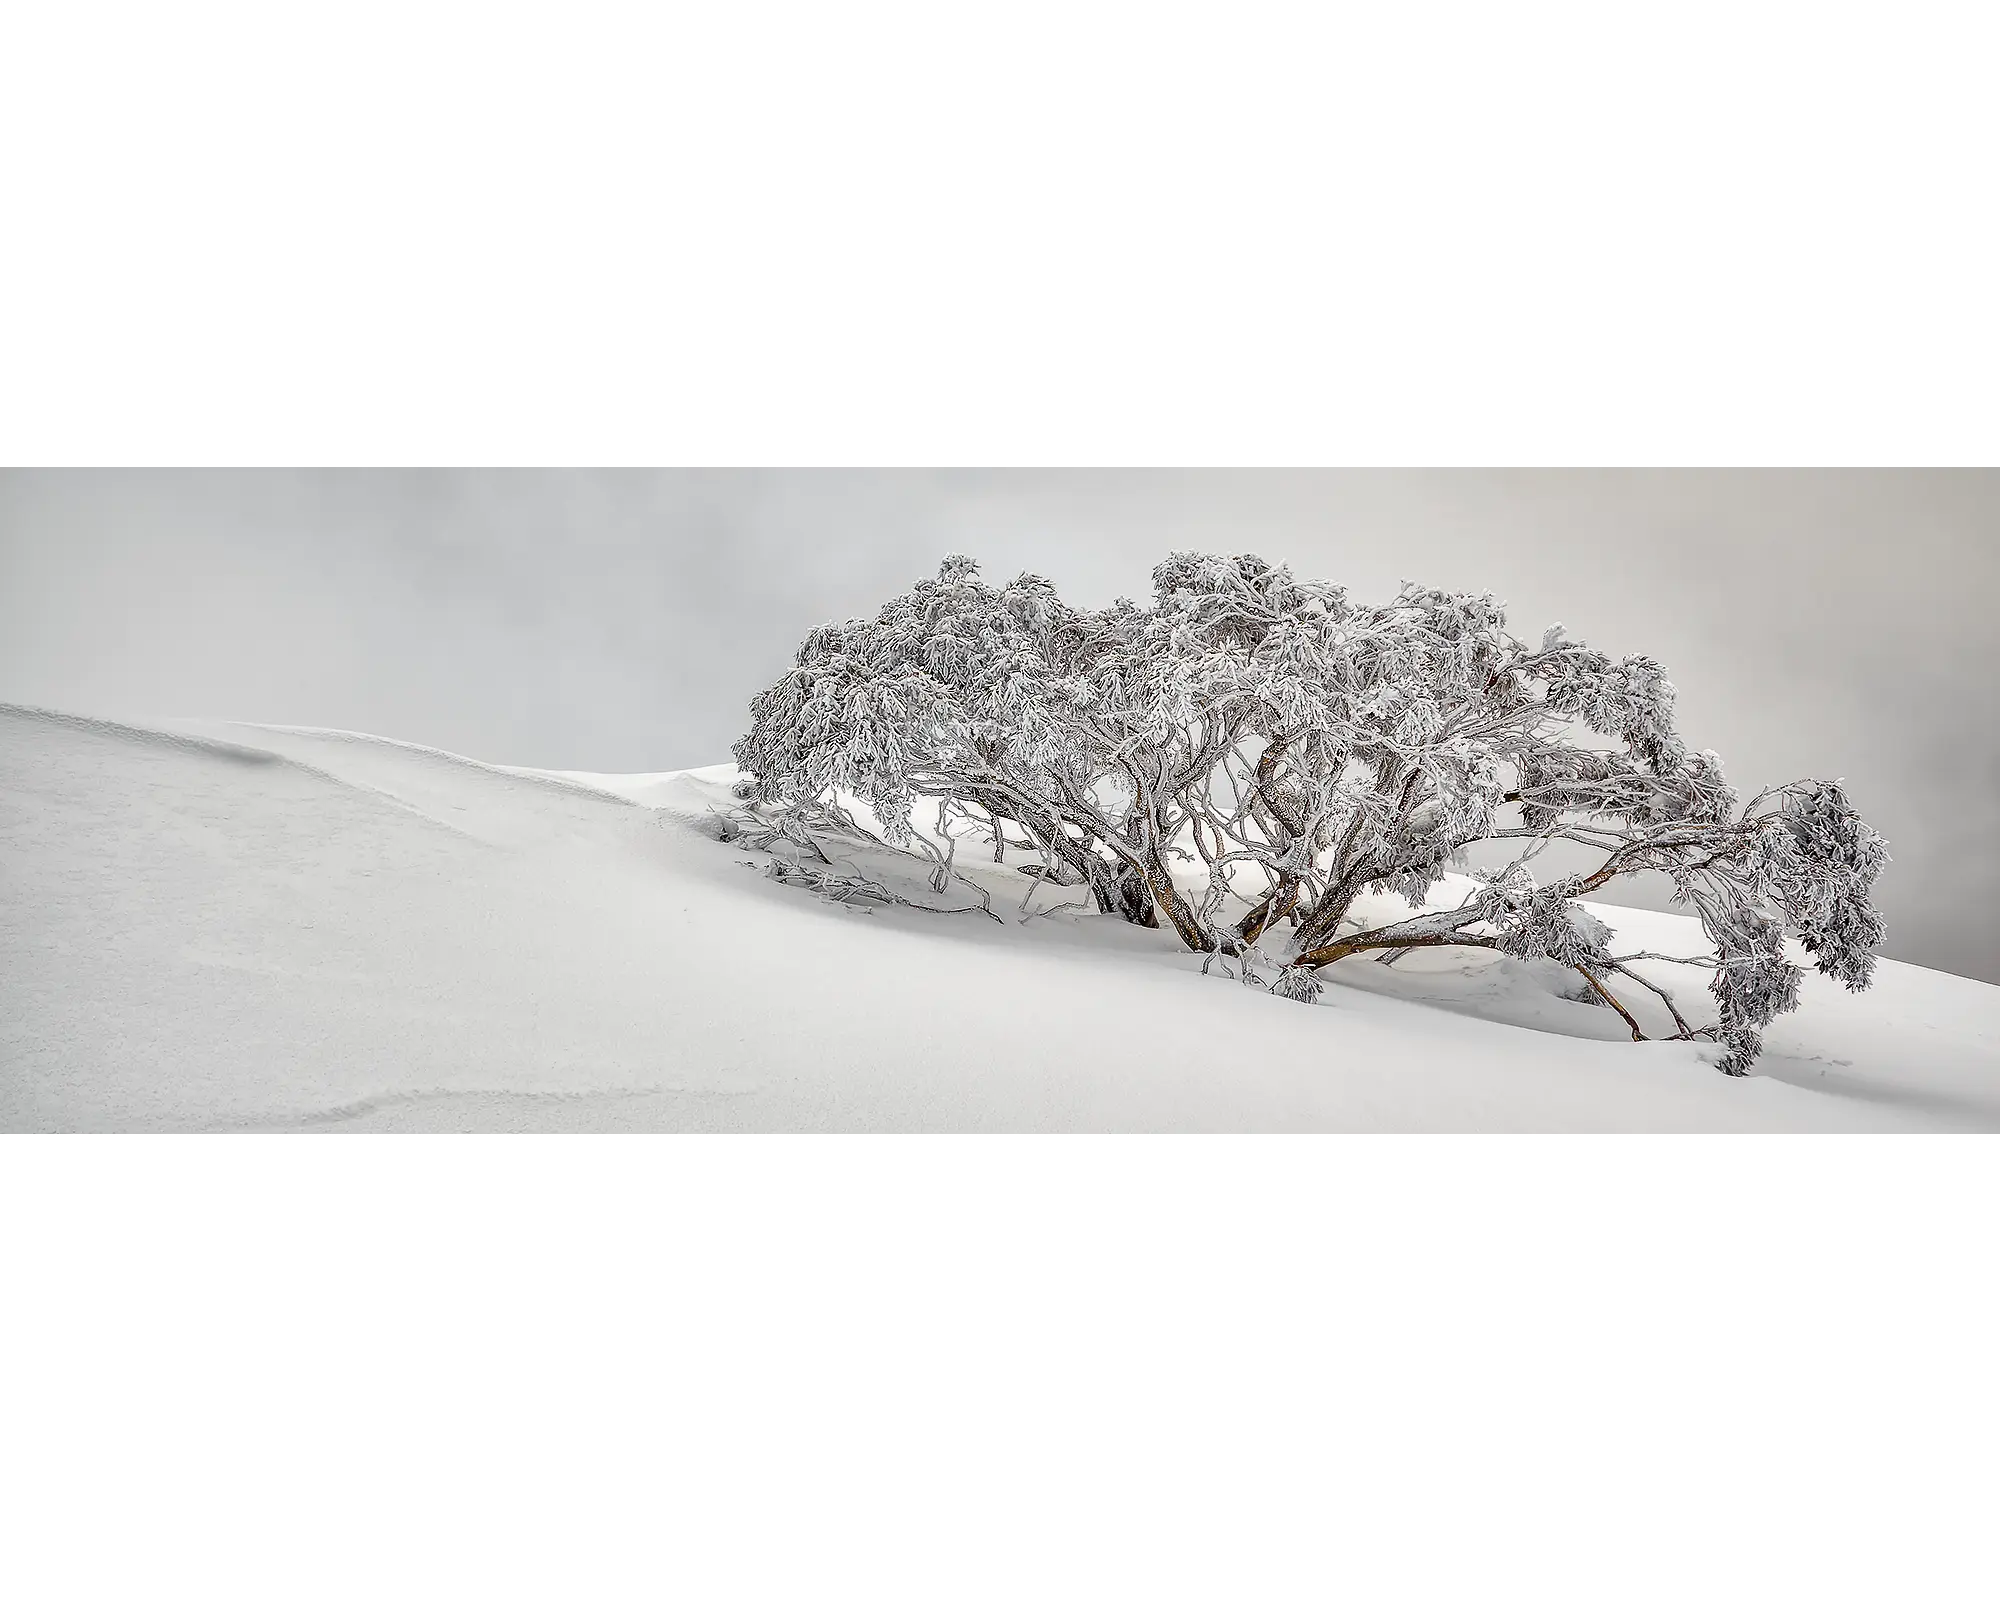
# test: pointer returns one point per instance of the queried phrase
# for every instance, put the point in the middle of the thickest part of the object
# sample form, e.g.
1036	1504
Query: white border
998	1366
1086	234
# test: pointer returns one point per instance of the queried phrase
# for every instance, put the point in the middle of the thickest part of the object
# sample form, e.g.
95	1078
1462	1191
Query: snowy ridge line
251	755
655	791
431	752
248	755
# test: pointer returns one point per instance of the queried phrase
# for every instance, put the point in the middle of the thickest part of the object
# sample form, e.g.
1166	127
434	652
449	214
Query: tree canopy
1305	748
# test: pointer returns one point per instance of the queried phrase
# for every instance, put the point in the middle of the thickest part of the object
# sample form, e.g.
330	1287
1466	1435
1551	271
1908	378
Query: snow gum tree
1294	749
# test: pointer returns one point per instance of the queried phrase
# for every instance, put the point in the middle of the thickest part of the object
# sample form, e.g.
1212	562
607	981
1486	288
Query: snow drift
228	927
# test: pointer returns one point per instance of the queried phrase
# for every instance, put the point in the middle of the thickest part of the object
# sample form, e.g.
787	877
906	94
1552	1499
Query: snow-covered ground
221	926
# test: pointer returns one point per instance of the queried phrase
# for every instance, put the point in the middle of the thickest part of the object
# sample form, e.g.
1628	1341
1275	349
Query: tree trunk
1134	900
1274	907
1121	892
1174	905
1319	924
1117	888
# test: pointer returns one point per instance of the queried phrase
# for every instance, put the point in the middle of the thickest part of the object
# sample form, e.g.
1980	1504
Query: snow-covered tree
1004	704
1303	750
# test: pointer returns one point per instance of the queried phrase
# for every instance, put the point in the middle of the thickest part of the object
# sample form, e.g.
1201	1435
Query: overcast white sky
1816	623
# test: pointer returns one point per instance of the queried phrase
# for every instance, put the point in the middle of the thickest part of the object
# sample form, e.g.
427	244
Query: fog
1832	624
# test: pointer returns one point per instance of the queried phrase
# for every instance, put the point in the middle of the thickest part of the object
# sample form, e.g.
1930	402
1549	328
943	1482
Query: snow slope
219	926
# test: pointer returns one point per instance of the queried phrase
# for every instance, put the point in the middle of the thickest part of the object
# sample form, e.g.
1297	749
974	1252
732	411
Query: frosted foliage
1823	863
1297	983
1542	924
1753	984
1295	749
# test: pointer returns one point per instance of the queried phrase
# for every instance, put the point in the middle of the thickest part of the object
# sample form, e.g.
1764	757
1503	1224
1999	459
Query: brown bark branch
1610	999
